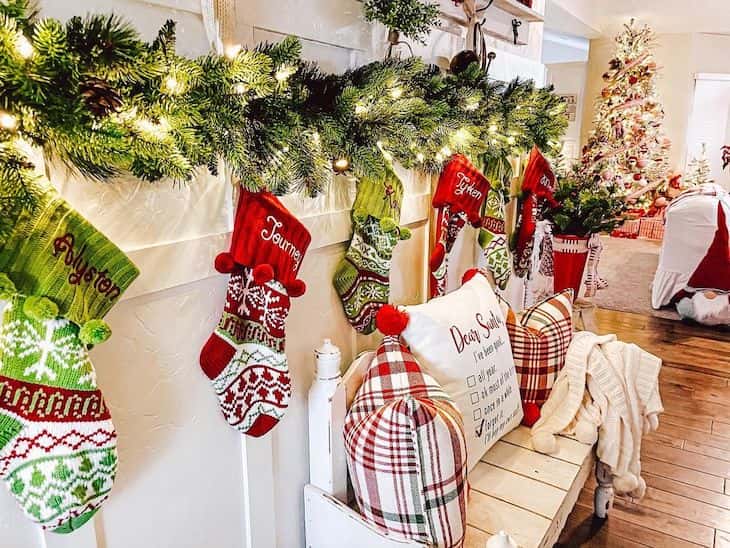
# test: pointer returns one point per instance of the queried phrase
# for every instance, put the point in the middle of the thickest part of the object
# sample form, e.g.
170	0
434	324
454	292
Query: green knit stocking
493	241
58	451
362	279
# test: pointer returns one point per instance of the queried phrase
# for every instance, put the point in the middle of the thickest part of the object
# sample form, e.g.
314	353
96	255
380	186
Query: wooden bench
513	489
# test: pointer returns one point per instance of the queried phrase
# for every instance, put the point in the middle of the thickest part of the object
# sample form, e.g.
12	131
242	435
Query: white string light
283	73
24	47
173	86
8	121
232	50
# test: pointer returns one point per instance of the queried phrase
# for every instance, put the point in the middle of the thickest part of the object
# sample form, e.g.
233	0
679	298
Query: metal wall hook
394	40
491	56
516	24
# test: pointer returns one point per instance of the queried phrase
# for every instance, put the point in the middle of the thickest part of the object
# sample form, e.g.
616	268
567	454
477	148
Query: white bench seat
514	489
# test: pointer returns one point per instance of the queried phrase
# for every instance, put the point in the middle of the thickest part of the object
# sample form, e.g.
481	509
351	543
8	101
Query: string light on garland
284	73
173	86
8	122
231	51
24	47
340	165
493	129
511	140
471	104
105	117
461	137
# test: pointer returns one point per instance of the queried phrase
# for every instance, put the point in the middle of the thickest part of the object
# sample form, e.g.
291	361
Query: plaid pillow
406	451
540	337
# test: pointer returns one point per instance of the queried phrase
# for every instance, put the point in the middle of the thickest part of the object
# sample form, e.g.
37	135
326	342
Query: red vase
570	254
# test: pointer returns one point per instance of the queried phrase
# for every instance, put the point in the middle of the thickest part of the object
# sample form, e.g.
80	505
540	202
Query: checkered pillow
406	451
540	337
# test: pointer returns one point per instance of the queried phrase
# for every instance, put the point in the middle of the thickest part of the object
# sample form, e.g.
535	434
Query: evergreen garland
93	95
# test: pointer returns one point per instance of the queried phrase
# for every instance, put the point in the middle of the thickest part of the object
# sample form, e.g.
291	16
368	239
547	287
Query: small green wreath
412	18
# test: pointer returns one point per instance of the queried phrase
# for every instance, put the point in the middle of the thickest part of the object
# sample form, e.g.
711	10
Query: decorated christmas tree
698	169
627	149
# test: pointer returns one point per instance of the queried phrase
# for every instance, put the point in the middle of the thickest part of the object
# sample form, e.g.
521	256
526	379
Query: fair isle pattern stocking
254	388
449	226
362	279
58	451
493	240
593	281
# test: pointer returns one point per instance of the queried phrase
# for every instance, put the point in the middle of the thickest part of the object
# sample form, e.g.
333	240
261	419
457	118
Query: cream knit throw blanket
607	392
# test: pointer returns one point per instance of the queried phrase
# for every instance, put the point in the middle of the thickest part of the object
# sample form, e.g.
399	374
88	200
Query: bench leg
603	495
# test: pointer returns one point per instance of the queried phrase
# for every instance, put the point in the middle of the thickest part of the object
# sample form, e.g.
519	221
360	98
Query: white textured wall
186	479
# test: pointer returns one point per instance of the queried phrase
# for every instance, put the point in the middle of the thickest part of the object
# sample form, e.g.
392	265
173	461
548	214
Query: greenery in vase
585	207
412	18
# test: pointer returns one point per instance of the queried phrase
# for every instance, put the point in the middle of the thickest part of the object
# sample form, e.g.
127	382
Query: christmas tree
698	169
627	149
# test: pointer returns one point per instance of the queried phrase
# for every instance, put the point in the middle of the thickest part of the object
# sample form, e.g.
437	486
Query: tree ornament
633	79
100	97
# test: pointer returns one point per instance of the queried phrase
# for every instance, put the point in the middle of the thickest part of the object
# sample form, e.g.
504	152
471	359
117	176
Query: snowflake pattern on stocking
249	293
51	346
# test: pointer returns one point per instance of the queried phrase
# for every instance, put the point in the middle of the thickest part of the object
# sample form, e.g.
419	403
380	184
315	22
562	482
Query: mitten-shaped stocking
57	442
458	199
594	282
58	450
493	240
362	279
538	184
269	243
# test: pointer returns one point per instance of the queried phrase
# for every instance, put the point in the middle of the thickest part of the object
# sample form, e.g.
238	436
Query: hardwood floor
686	463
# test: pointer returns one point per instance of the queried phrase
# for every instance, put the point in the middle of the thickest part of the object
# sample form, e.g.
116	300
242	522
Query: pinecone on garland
100	97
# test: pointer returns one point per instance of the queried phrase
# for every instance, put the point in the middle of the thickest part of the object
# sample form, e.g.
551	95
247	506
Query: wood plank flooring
686	463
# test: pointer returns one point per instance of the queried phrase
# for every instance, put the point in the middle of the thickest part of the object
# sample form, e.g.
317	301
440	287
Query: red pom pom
297	288
391	321
224	263
437	257
469	275
263	273
532	413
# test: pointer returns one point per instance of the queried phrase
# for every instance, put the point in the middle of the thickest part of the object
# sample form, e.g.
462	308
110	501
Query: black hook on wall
491	56
516	24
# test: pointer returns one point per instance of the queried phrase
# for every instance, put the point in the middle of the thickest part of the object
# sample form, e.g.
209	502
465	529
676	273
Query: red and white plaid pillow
406	451
540	337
